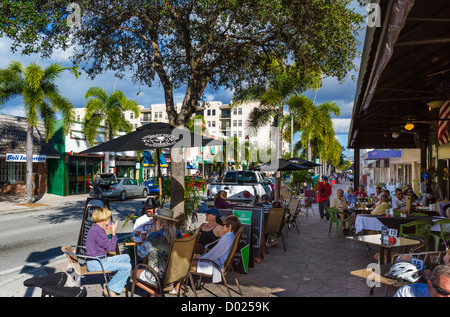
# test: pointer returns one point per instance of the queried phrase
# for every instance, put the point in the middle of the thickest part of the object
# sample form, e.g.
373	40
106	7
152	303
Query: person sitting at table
399	201
145	222
98	244
361	192
265	203
438	285
430	191
155	250
408	191
219	252
340	204
220	201
380	209
350	196
209	231
443	208
376	197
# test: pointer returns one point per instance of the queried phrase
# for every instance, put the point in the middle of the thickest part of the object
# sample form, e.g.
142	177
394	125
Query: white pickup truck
242	187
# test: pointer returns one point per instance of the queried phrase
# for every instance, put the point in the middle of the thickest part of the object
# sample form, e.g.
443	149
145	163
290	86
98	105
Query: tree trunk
177	182
278	150
29	174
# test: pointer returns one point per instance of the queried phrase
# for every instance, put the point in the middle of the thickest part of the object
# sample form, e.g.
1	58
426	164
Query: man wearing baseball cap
430	191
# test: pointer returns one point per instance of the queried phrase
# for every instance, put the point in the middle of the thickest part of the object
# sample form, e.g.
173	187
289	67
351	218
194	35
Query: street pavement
315	264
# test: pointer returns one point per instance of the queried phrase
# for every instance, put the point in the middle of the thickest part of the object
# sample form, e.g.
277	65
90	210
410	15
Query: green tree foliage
41	101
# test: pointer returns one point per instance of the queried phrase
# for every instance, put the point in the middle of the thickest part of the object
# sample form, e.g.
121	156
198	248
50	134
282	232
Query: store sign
23	158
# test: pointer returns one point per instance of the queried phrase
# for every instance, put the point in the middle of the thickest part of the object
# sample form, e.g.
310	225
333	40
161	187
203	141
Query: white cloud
341	125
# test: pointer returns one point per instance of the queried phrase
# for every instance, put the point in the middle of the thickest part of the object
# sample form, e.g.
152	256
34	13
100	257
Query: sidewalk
315	265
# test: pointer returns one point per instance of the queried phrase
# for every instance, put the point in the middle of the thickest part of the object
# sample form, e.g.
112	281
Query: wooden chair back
180	258
274	221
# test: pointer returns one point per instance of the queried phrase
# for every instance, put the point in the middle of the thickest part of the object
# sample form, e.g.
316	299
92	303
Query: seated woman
220	201
209	231
219	252
97	244
157	246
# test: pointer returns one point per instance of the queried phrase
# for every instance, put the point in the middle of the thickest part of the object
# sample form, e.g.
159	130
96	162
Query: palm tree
107	111
41	101
283	81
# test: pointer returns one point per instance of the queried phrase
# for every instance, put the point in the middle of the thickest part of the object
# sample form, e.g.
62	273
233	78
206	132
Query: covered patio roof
405	64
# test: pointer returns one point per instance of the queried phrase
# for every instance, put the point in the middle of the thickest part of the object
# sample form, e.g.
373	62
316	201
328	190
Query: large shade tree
41	101
190	44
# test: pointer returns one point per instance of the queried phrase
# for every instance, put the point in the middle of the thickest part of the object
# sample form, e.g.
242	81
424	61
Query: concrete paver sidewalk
315	265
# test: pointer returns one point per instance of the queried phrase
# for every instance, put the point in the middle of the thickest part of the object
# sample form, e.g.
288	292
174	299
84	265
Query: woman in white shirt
219	253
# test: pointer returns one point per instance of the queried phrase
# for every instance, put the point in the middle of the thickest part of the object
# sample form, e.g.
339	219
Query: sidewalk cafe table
377	274
375	222
375	239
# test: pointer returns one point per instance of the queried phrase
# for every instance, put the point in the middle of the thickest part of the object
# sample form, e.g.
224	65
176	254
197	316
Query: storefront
13	170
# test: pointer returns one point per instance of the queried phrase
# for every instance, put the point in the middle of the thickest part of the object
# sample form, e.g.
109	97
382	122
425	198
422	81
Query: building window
208	112
239	123
239	110
209	124
239	133
214	112
11	172
234	110
234	123
132	115
213	124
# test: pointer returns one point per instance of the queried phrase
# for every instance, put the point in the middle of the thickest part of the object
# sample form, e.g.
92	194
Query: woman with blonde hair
98	244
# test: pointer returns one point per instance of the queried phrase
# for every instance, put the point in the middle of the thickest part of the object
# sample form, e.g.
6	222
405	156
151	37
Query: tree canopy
190	44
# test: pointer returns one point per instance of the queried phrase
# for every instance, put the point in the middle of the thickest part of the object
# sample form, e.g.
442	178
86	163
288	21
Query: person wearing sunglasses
438	285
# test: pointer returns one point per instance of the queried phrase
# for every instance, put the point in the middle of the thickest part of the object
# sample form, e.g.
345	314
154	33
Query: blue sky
74	89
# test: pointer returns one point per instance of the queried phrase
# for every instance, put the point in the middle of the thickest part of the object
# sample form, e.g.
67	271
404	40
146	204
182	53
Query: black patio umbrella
156	135
303	162
280	165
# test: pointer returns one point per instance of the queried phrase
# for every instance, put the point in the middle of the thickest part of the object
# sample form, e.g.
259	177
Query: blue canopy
148	159
381	154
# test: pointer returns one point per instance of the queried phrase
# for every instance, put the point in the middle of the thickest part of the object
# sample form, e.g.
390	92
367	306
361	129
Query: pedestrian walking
324	197
98	186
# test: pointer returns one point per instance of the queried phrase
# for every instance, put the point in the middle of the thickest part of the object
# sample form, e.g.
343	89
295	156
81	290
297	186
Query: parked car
122	189
242	187
153	185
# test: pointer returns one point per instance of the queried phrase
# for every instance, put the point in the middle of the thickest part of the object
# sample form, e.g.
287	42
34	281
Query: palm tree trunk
309	150
29	173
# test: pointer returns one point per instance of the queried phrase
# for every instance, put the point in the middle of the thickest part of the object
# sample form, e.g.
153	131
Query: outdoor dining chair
308	205
421	230
228	265
177	268
439	235
335	218
419	214
293	210
274	227
81	270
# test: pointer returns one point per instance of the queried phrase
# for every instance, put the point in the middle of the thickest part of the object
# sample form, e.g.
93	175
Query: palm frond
34	75
96	92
